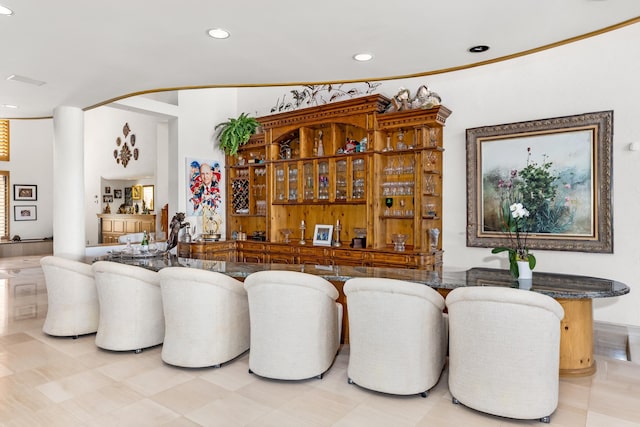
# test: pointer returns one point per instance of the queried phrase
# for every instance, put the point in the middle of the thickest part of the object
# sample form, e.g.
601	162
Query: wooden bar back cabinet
348	165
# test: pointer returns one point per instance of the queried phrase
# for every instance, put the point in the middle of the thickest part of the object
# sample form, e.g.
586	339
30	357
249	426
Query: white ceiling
89	52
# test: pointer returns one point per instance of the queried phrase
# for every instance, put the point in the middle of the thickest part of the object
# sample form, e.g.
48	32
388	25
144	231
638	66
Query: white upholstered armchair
504	351
397	335
73	307
131	315
206	317
295	324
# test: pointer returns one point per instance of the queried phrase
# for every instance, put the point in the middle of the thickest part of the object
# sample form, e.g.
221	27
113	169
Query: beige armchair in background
504	351
295	324
131	314
73	307
206	317
397	335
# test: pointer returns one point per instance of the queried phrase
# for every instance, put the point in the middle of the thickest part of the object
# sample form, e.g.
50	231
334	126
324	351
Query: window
4	205
4	180
4	140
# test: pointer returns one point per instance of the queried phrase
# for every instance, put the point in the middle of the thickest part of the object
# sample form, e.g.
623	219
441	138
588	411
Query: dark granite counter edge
448	280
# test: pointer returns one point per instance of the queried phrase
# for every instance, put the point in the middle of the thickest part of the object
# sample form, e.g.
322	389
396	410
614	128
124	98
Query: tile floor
46	381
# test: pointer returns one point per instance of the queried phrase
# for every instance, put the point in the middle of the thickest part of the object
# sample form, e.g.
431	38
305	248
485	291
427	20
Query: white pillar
68	182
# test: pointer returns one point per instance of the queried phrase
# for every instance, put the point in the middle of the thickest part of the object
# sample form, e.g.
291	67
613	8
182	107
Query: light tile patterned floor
46	381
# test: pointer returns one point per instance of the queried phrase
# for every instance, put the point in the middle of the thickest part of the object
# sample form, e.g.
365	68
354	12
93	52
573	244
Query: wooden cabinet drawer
312	251
252	257
352	257
380	259
314	255
277	258
246	245
281	249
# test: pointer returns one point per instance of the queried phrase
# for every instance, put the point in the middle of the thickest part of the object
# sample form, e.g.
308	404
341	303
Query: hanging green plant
236	132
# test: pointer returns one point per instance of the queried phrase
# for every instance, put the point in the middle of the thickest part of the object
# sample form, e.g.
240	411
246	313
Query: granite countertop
551	284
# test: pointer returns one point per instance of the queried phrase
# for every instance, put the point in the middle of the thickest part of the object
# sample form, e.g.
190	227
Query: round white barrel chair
295	324
131	313
73	307
504	351
397	335
206	317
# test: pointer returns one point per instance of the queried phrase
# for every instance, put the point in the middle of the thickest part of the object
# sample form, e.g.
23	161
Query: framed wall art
128	200
25	213
136	192
117	194
25	192
322	235
559	169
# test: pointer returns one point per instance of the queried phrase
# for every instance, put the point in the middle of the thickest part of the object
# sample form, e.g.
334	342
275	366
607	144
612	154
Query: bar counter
575	293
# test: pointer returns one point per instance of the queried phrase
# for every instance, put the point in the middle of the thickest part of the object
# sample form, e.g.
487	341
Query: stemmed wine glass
286	232
388	203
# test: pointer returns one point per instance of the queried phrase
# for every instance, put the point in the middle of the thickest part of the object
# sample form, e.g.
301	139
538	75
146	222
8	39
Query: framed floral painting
559	169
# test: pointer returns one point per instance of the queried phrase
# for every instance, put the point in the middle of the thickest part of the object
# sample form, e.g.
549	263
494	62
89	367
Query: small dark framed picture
25	213
107	198
117	194
107	190
25	192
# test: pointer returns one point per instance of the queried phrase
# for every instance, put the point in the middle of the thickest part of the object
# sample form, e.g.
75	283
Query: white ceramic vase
525	275
524	272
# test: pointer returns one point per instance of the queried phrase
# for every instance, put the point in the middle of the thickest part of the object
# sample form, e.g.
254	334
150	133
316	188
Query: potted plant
236	132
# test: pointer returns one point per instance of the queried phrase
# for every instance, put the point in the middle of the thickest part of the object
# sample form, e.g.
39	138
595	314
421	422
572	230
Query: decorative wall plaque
124	154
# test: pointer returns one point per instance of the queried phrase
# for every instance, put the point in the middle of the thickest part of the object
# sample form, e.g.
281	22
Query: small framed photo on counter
322	235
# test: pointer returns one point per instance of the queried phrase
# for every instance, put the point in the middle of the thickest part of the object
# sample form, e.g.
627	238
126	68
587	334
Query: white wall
600	73
30	164
200	111
102	126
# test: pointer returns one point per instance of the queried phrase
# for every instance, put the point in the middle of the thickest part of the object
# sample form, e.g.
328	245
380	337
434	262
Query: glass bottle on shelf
308	181
320	145
341	179
323	180
293	182
279	193
388	147
358	181
400	145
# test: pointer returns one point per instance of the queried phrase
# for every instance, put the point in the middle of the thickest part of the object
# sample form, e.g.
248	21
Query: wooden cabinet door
148	225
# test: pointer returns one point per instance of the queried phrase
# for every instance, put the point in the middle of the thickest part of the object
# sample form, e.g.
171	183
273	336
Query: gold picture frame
578	215
136	192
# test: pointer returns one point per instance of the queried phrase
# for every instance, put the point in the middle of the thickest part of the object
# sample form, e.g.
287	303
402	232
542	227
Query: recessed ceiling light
479	49
9	106
5	11
219	33
363	57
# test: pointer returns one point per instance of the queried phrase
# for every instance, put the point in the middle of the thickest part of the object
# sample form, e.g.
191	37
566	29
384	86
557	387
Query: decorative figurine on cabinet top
403	101
177	223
